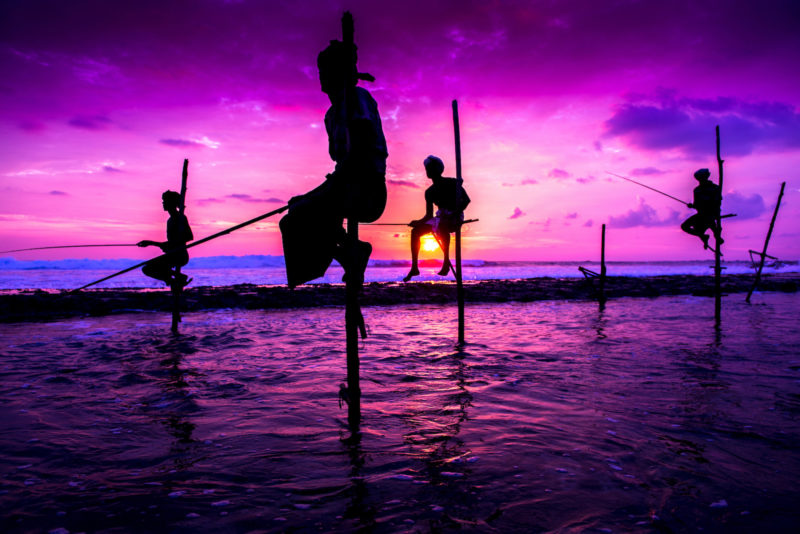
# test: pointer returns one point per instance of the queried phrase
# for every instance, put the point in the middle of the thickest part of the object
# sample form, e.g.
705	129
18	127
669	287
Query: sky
101	101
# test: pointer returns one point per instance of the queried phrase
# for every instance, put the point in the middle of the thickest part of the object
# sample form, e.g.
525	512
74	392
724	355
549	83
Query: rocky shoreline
38	305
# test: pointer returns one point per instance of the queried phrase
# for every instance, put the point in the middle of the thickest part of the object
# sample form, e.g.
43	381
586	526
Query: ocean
555	416
269	270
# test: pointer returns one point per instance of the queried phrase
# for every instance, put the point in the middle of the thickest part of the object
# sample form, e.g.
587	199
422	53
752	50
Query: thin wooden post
459	193
603	266
353	286
176	287
718	251
766	243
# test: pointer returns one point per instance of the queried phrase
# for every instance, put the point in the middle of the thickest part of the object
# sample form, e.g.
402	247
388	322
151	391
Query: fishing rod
68	246
648	187
190	245
409	224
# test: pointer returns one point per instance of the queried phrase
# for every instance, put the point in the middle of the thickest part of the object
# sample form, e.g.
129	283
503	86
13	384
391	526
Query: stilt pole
459	193
766	243
603	267
177	288
353	286
718	252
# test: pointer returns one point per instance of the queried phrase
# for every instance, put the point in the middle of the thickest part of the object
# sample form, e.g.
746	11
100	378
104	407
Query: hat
702	174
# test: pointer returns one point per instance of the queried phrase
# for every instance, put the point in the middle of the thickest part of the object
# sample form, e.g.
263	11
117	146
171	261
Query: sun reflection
429	243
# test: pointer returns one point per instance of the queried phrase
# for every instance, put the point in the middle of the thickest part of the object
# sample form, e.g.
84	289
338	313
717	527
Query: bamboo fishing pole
70	246
648	187
409	224
190	245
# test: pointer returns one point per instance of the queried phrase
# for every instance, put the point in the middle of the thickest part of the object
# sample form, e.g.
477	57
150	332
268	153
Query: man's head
170	200
701	175
337	67
434	167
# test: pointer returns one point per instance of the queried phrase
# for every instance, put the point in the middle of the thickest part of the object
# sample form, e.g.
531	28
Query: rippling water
554	417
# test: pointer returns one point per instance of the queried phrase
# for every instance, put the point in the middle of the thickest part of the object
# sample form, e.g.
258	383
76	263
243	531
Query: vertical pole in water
766	243
718	253
459	192
176	289
353	284
603	267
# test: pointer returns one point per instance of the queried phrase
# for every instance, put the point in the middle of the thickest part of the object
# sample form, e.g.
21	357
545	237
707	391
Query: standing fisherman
707	202
312	230
178	234
444	193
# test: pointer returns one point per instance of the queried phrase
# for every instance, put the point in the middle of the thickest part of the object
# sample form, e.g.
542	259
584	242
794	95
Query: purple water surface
554	417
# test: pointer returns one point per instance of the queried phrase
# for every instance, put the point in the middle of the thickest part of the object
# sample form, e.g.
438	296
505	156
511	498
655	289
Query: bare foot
411	274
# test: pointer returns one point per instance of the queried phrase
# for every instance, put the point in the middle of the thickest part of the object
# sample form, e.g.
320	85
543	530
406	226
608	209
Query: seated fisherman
312	229
444	193
178	234
707	201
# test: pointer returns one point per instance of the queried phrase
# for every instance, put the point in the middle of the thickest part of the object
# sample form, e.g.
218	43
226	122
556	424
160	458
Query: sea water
270	270
555	416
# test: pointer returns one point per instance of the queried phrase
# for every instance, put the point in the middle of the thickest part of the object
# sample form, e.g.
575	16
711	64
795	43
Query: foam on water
554	416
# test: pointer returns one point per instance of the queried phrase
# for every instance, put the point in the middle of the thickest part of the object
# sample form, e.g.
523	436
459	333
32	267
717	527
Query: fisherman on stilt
443	193
312	230
175	254
707	201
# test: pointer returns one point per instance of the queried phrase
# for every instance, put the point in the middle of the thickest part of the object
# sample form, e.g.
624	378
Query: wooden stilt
353	286
603	267
352	324
176	287
459	193
718	246
766	243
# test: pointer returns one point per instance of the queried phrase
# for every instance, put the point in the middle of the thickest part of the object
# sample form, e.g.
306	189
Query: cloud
109	168
183	143
558	173
403	183
745	207
645	216
598	146
210	201
517	214
57	193
191	143
529	181
93	122
588	224
248	198
664	121
571	215
646	171
586	179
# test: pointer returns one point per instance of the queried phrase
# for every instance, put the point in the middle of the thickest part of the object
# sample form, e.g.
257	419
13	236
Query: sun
429	243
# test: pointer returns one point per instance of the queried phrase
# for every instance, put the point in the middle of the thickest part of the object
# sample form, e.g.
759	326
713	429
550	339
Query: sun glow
429	243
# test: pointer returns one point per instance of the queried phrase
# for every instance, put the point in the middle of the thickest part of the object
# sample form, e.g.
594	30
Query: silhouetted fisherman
707	202
312	230
178	234
443	193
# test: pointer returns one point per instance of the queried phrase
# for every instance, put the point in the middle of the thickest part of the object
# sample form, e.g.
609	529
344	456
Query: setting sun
429	243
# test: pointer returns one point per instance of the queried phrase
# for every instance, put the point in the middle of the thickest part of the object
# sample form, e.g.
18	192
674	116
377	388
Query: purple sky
101	101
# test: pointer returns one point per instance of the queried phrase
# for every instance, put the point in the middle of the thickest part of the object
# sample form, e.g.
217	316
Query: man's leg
696	225
160	269
444	242
416	233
